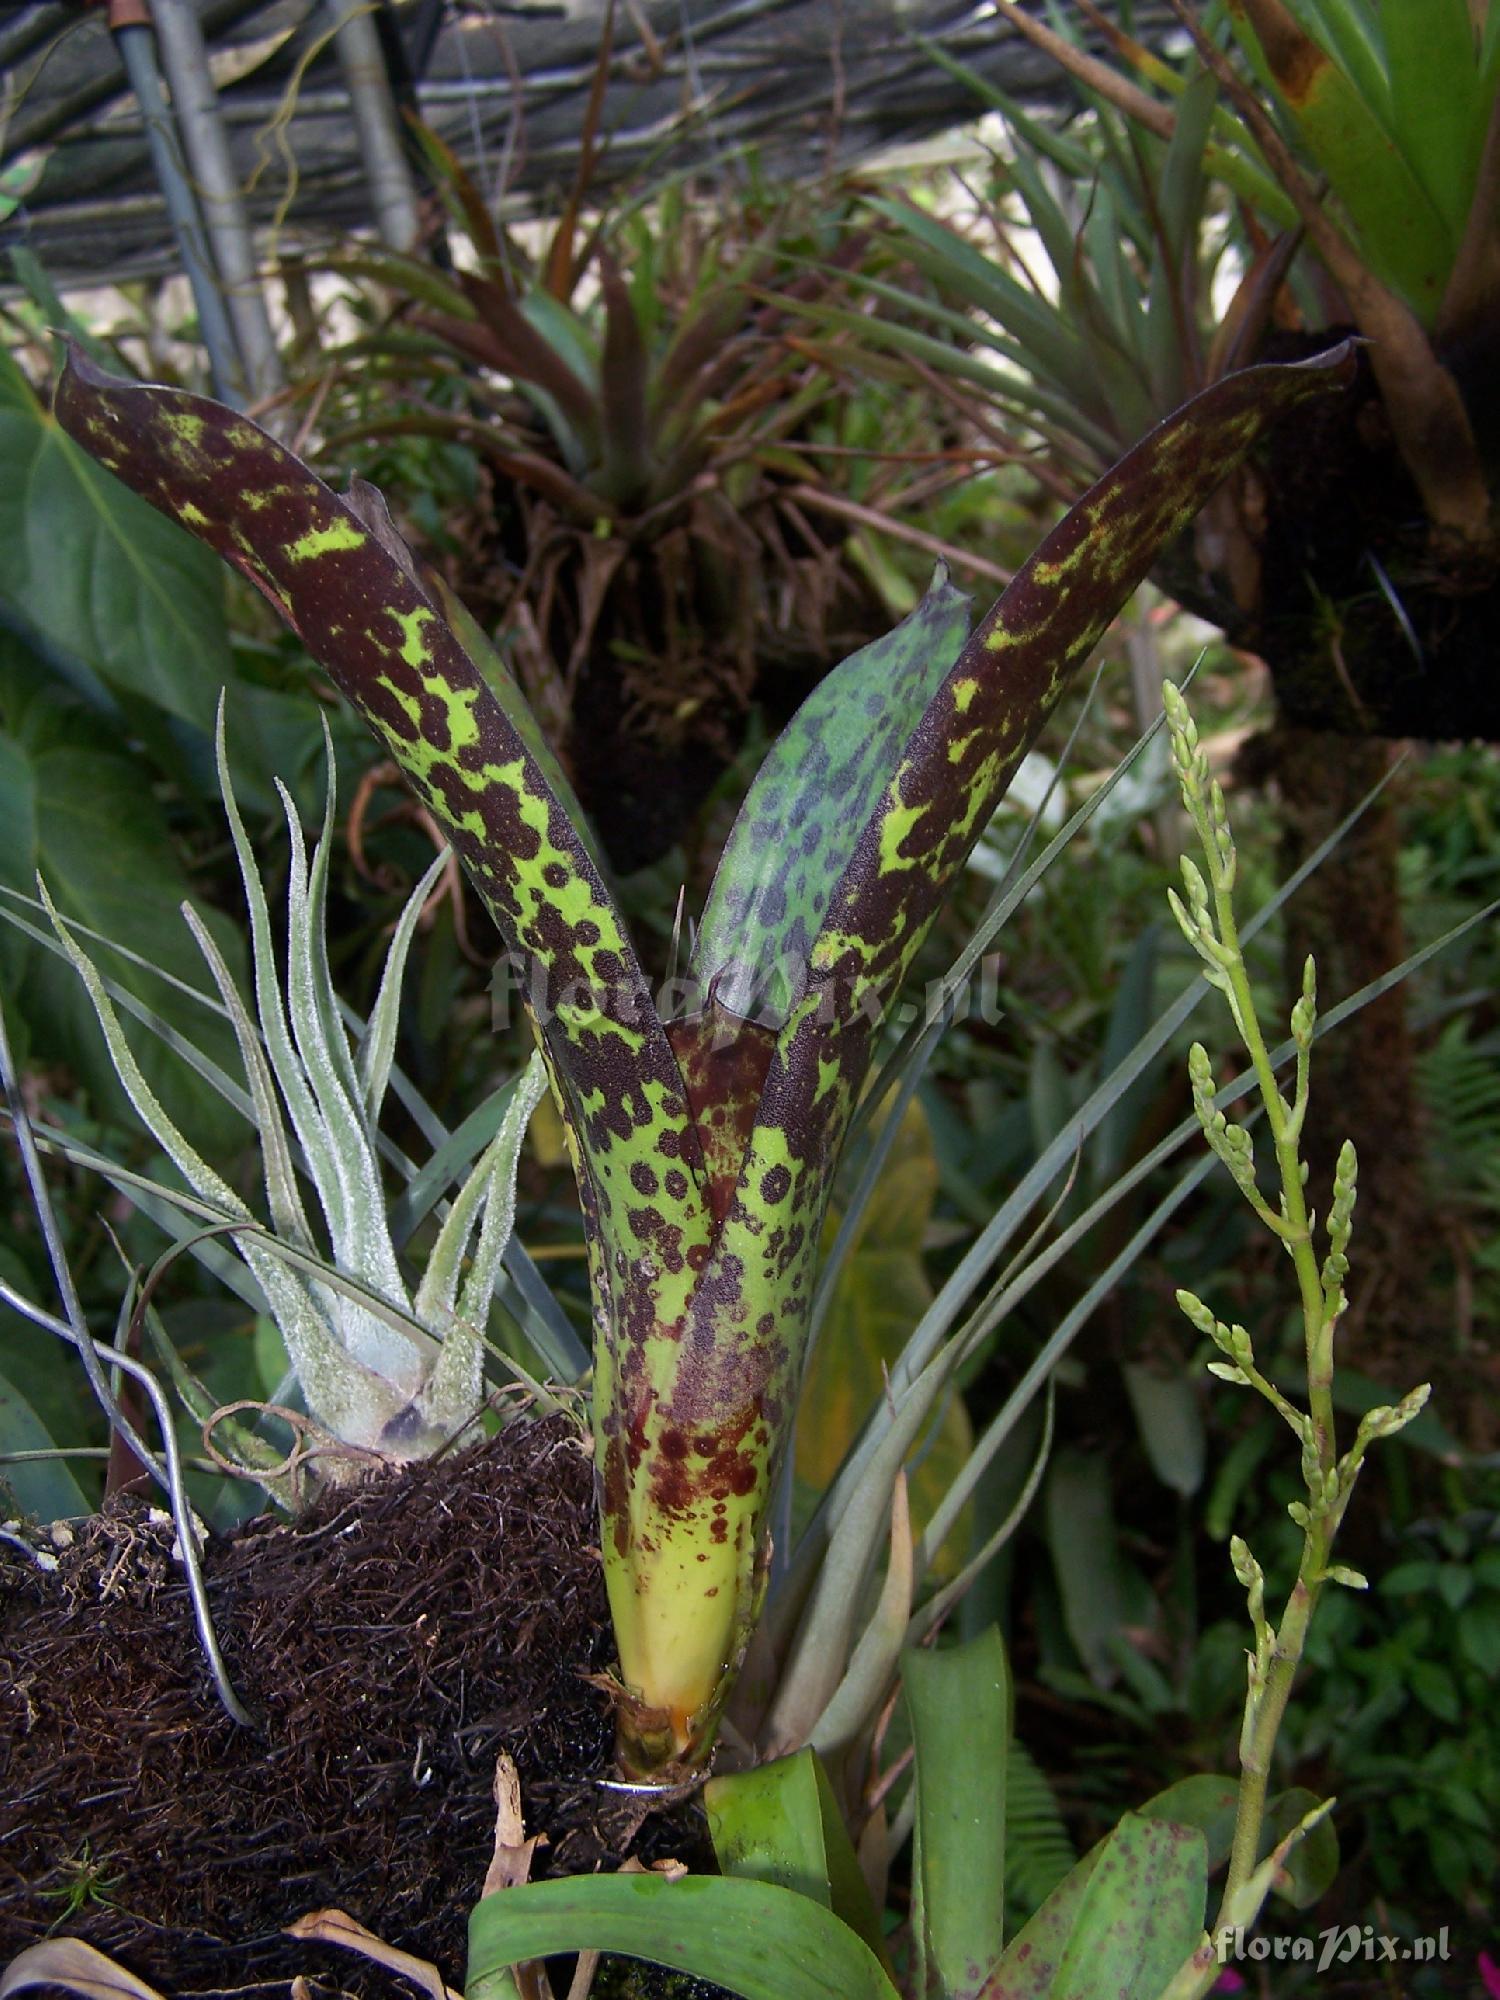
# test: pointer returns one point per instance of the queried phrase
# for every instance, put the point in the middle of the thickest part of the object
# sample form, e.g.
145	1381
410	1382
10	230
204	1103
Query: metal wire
182	1513
74	1329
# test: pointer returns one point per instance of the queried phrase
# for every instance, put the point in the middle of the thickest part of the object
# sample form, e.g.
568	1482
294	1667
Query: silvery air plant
385	1374
704	1145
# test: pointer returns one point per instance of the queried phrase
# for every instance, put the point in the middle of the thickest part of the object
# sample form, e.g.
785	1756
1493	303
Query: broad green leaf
44	1488
959	1702
1169	1417
1309	1868
1440	107
1122	1923
767	1825
757	1939
1086	1556
1131	1016
1479	1636
99	572
1398	229
780	1823
1205	1802
81	812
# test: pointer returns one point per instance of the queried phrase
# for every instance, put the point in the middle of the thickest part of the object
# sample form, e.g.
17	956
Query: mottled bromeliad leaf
989	708
982	716
504	687
812	798
704	1154
1124	1921
340	578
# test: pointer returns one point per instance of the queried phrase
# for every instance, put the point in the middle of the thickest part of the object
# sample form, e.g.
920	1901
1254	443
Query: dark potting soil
390	1644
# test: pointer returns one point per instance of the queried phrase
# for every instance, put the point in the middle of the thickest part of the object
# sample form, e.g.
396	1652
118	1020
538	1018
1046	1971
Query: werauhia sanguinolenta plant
705	1143
385	1374
1131	1916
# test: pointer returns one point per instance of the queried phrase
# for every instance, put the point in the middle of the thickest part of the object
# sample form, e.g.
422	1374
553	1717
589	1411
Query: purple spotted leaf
339	575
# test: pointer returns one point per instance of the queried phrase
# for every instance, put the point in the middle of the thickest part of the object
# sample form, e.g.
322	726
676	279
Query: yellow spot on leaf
339	534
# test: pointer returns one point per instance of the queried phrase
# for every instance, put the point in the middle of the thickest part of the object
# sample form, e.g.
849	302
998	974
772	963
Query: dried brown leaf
338	1927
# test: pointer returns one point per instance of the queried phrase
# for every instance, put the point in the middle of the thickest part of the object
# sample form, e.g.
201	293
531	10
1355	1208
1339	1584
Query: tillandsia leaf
454	1389
379	1379
356	1218
377	1046
354	1402
301	1105
283	1198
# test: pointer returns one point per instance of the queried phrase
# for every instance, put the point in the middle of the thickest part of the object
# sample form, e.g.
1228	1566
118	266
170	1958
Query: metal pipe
393	194
36	126
134	39
195	106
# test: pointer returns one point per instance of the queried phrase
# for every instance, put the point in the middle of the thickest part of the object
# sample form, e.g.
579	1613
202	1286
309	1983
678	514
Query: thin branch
1093	74
866	517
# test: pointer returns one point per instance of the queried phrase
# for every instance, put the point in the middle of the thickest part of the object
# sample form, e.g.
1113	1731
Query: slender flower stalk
1207	920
